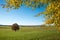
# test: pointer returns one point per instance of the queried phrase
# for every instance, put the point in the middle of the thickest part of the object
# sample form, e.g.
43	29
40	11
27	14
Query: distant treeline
25	25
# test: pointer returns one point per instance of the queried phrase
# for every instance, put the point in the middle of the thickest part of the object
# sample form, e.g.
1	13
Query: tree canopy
15	27
52	12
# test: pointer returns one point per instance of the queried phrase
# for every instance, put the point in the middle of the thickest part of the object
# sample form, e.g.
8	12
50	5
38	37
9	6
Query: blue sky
22	16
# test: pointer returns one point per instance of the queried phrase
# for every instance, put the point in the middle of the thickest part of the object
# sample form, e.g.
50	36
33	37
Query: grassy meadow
29	33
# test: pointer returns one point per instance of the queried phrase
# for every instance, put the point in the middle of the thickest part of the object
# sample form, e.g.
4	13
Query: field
30	33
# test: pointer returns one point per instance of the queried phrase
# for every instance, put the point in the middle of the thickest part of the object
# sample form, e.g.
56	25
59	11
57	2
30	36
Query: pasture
29	33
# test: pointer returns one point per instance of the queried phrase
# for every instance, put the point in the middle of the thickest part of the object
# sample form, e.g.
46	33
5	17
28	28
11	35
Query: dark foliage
15	27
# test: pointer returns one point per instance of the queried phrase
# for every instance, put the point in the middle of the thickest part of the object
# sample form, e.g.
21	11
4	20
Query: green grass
29	33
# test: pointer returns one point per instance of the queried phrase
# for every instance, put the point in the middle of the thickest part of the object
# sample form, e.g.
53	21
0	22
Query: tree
52	12
15	27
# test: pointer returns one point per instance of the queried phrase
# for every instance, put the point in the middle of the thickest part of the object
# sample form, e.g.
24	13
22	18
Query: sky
21	16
